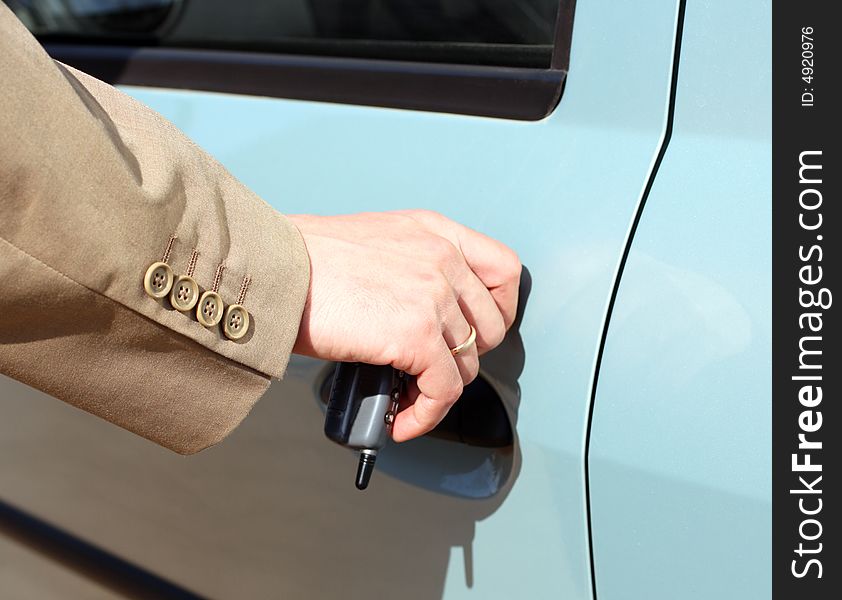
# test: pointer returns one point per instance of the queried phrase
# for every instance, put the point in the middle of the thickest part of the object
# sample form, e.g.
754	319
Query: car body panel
680	465
272	511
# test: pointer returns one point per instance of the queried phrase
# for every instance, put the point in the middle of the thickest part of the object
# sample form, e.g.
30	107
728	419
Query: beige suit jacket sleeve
92	187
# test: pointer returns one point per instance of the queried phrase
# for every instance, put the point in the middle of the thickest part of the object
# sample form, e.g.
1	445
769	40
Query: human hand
403	288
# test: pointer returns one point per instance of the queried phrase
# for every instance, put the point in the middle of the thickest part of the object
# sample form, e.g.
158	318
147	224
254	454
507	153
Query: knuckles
441	253
423	215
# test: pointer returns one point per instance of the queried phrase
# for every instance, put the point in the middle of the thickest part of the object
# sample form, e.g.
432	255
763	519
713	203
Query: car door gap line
665	140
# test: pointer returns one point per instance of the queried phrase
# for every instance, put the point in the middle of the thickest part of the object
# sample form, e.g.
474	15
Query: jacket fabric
95	188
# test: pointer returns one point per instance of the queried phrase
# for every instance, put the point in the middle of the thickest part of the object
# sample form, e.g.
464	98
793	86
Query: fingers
496	266
438	387
457	331
479	309
494	263
475	300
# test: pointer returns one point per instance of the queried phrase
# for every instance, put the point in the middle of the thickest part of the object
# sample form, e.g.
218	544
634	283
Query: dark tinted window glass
501	32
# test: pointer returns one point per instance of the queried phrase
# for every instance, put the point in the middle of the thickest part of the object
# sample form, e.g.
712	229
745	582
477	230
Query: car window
485	32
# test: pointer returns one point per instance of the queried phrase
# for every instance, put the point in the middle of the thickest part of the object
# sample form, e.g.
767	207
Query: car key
361	410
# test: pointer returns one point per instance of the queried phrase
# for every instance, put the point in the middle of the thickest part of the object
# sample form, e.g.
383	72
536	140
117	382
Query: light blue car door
272	512
679	461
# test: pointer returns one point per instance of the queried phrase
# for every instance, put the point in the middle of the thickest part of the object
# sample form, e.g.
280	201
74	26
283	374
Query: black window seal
526	94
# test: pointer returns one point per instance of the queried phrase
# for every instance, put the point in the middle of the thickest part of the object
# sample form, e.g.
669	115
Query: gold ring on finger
472	337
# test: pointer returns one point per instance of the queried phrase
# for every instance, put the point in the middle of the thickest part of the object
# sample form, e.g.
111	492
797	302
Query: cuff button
185	293
209	309
158	280
236	322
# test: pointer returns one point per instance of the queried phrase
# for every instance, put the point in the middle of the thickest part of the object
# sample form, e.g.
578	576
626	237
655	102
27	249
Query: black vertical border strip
805	120
676	60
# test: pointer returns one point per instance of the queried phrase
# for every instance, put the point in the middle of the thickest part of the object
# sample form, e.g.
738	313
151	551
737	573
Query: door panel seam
653	172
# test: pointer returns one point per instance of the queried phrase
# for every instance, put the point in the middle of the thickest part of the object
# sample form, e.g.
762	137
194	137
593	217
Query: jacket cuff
89	351
264	268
